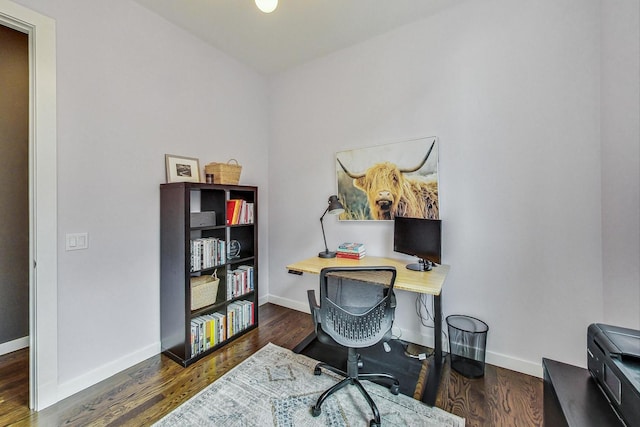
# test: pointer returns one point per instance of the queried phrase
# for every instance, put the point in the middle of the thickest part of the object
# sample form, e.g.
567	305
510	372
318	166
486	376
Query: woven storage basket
224	173
203	291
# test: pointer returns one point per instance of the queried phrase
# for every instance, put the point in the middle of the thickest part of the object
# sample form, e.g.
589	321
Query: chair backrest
357	305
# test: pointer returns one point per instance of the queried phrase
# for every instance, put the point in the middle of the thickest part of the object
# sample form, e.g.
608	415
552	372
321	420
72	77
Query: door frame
43	239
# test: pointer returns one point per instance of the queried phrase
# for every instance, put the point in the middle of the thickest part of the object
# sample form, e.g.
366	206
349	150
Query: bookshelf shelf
188	252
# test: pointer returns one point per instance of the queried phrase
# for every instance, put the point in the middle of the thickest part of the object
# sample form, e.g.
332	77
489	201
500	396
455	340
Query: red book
230	205
233	211
349	255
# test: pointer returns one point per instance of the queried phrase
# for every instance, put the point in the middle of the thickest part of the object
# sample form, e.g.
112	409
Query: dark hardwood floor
146	392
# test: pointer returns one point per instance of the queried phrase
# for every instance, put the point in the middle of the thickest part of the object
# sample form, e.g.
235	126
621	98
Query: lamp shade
335	207
267	6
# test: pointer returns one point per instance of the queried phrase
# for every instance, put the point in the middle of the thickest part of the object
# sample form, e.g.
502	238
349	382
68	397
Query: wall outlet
76	241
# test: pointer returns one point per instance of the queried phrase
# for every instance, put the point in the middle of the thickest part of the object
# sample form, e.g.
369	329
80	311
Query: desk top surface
424	282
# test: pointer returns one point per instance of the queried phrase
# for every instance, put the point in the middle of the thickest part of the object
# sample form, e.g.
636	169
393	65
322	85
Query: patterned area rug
276	387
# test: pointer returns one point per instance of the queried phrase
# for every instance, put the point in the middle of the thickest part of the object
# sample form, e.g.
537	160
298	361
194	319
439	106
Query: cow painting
391	191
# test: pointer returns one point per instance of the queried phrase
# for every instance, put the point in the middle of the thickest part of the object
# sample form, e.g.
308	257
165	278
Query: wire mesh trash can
467	344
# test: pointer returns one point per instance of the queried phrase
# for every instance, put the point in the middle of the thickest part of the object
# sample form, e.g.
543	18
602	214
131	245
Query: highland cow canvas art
382	182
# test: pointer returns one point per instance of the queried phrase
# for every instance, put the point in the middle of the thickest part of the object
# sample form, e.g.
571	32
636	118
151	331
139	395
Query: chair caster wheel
394	389
315	411
373	423
317	371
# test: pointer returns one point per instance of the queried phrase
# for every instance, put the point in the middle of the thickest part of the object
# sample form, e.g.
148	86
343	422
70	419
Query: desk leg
304	343
437	312
435	367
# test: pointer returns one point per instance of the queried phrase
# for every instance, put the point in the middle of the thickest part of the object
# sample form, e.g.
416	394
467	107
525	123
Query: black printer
614	362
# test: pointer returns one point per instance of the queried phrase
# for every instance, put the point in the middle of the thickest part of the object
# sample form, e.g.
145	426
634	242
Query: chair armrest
311	296
313	305
392	298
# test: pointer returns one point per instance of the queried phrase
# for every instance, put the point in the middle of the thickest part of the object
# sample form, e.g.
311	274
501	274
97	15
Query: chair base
353	377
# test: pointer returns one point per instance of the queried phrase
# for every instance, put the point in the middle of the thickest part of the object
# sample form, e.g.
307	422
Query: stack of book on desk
351	250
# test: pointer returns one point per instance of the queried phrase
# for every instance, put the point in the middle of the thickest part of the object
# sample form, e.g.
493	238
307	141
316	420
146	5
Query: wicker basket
204	290
224	173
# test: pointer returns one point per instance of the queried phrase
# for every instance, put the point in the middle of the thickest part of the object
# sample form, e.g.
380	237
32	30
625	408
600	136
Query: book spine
229	218
349	256
239	212
351	247
350	251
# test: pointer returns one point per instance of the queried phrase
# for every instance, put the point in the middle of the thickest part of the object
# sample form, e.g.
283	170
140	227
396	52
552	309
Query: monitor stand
421	265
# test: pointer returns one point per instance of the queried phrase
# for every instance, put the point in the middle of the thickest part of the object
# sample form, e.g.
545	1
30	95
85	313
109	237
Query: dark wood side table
572	398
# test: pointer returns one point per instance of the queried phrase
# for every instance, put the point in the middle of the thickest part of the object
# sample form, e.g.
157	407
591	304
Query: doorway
42	190
14	195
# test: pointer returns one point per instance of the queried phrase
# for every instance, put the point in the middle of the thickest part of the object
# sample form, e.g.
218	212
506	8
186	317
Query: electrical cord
421	305
428	320
421	356
394	336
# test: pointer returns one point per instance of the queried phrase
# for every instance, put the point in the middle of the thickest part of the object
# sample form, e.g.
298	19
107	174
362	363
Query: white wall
512	90
132	87
621	161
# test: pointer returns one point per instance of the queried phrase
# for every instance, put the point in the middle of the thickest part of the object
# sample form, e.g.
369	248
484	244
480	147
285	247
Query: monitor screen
418	237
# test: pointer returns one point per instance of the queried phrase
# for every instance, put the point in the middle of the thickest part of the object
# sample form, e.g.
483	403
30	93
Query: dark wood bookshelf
177	202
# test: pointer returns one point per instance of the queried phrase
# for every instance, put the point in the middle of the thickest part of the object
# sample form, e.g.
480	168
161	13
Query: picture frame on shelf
182	169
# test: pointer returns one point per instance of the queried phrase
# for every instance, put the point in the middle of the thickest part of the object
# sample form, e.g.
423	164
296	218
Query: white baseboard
515	364
105	371
15	345
292	304
504	361
496	359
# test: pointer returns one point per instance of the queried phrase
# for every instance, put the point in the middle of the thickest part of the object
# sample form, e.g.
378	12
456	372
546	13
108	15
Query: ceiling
296	32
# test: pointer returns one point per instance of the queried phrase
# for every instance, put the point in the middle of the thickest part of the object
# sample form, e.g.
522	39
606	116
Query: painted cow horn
421	163
354	176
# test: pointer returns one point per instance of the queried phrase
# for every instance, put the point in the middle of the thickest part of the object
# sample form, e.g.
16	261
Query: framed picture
182	169
382	182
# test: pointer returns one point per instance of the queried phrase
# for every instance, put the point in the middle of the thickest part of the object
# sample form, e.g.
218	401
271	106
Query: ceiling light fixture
267	6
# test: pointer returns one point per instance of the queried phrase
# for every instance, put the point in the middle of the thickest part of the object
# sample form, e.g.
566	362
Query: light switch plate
76	241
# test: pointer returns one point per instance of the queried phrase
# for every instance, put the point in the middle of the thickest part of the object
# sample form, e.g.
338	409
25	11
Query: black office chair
356	310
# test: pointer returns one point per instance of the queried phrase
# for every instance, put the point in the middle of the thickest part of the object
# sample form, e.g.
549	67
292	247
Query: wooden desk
422	282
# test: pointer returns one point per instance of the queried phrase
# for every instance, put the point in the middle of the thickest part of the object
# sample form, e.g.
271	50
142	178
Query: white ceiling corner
296	32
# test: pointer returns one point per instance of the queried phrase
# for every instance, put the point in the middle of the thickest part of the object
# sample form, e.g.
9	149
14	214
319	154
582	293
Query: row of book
240	281
240	315
351	250
209	330
239	212
207	252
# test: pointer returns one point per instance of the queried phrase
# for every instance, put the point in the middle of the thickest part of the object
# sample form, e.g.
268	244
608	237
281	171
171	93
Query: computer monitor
418	237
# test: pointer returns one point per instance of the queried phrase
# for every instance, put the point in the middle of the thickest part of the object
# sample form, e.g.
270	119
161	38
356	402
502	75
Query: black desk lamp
334	208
